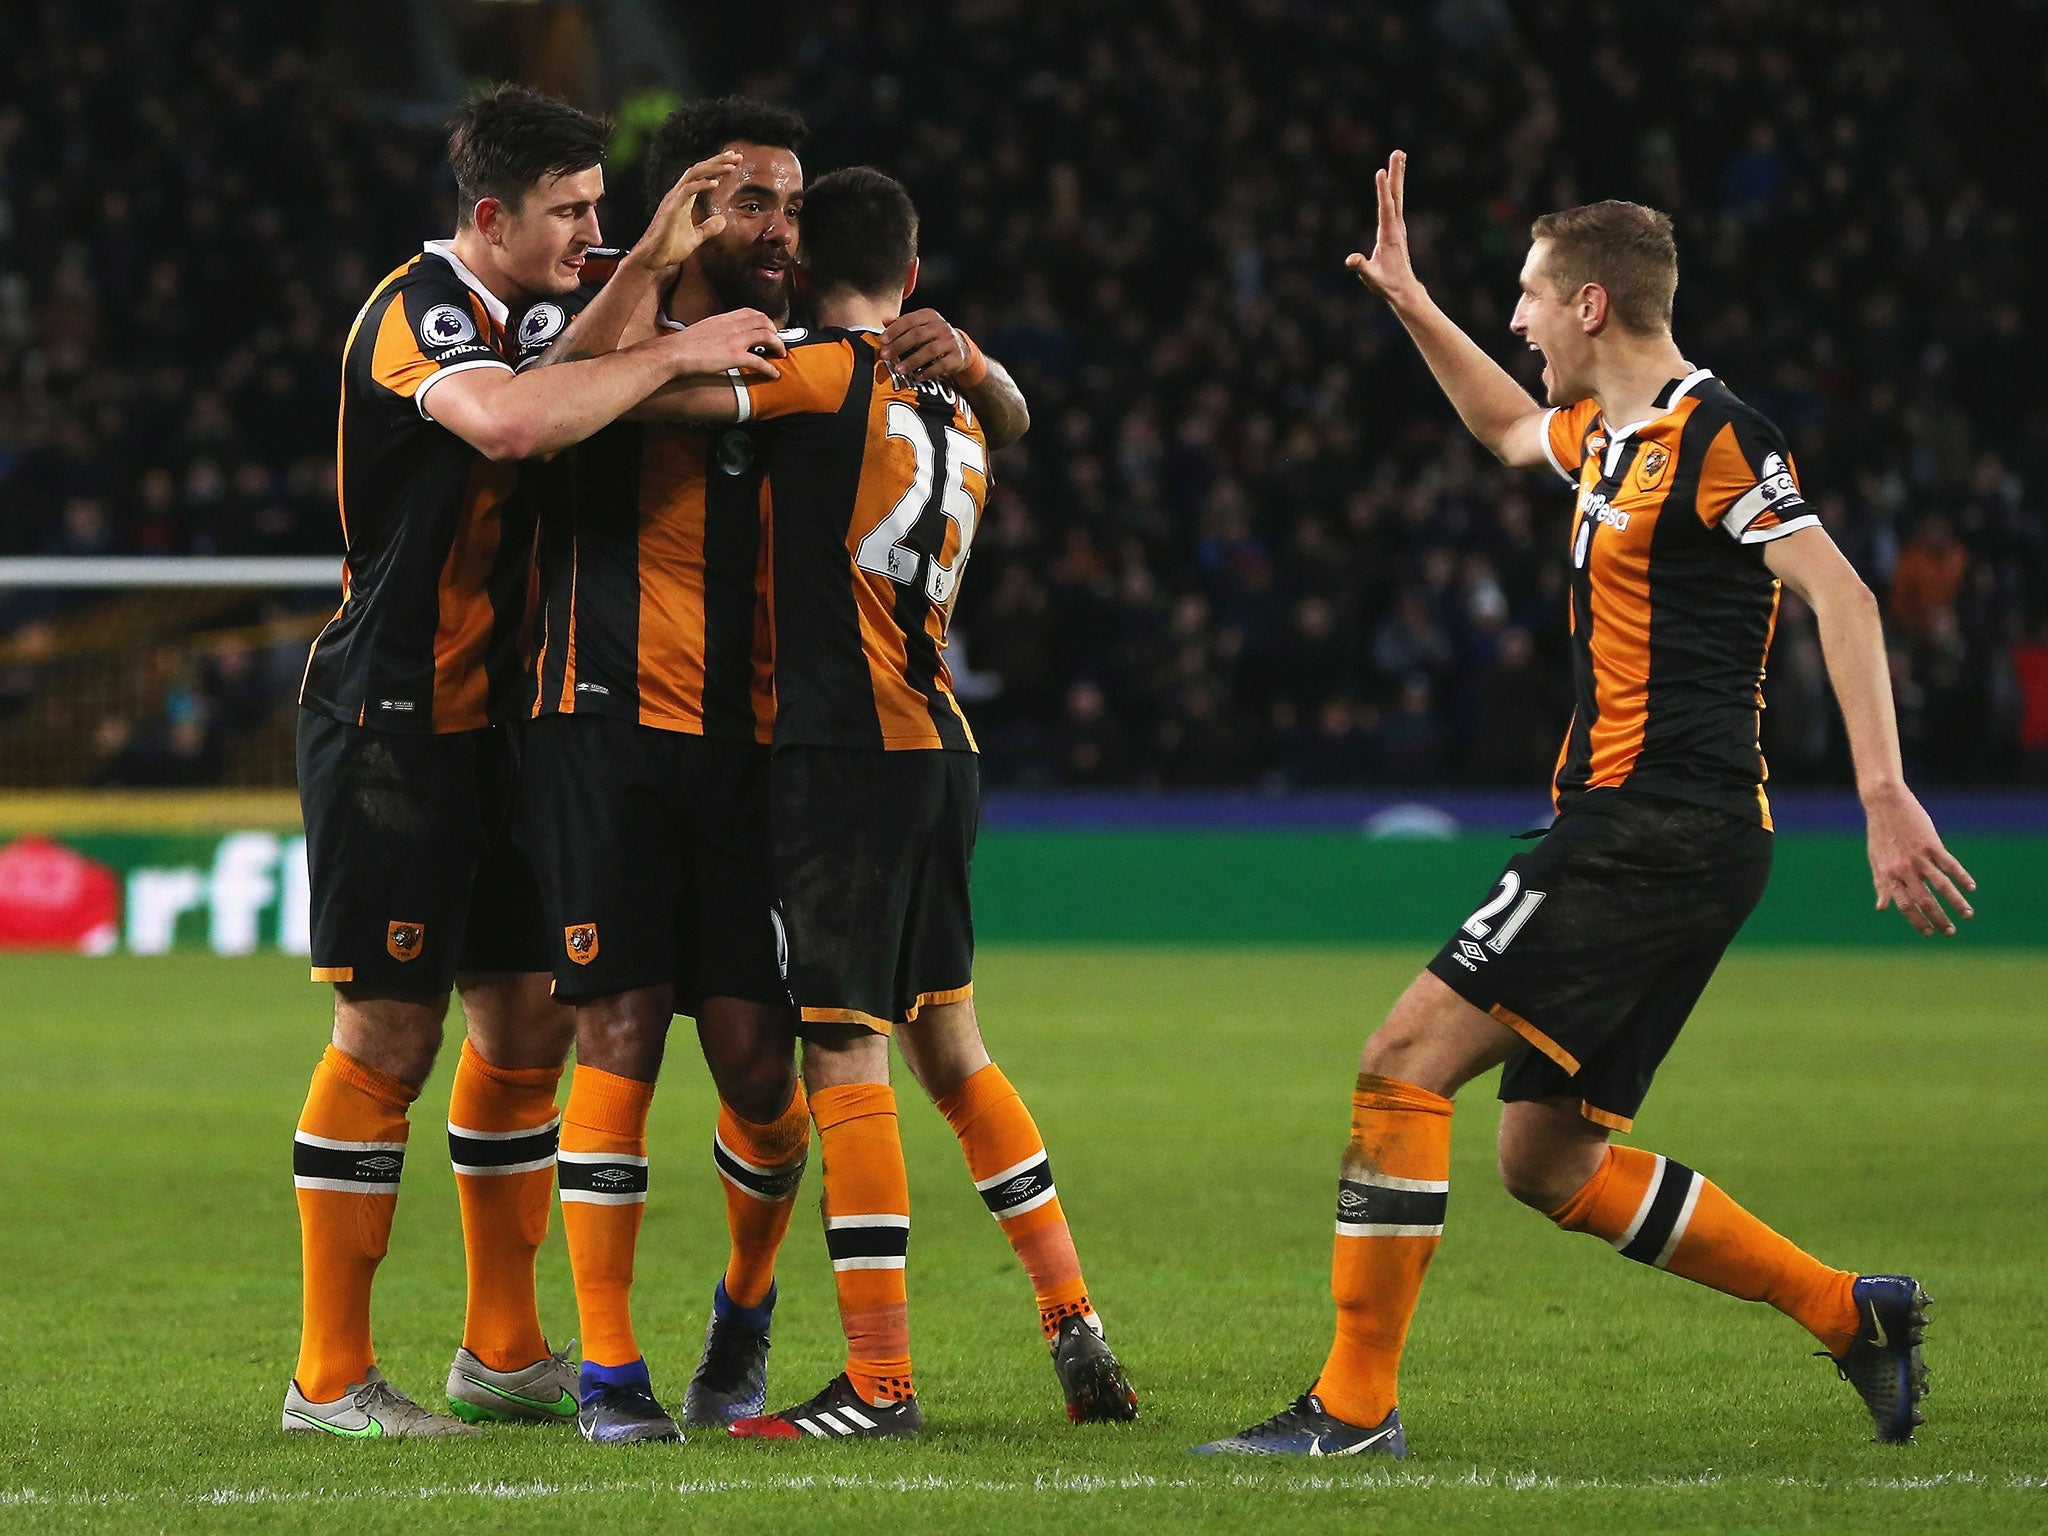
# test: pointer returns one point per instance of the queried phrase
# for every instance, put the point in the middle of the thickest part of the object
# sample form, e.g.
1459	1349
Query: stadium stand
1245	543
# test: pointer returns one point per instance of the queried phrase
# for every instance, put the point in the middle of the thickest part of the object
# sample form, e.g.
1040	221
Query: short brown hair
509	137
1625	248
860	232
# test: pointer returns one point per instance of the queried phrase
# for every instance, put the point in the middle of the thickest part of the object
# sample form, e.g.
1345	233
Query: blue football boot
1883	1362
1308	1429
618	1407
731	1380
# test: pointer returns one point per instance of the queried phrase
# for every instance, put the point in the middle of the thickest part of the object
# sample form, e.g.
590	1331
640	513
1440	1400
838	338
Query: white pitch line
1077	1483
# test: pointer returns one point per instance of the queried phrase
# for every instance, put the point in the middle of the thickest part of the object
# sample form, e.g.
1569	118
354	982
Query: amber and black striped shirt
1672	606
652	571
436	577
874	490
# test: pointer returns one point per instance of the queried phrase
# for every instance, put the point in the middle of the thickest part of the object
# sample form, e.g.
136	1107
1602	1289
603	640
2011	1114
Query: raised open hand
1388	271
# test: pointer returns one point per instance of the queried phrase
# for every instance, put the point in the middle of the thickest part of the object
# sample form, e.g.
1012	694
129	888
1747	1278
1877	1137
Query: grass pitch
1886	1111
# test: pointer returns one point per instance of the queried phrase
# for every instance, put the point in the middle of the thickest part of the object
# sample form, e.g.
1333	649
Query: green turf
1887	1111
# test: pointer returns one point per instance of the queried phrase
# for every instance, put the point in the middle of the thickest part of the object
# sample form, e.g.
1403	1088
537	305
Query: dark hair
700	129
860	232
1625	248
509	137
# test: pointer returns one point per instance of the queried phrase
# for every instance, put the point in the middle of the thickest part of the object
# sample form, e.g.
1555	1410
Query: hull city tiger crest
1650	468
403	940
581	941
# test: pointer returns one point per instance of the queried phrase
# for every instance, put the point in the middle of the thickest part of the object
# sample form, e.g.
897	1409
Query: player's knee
1533	1182
399	1037
516	1023
837	1056
1545	1177
943	1047
1403	1047
1390	1049
408	1058
626	1034
757	1090
553	1035
751	1051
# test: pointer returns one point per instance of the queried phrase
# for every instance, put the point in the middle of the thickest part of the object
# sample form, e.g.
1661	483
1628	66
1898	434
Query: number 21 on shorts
1480	925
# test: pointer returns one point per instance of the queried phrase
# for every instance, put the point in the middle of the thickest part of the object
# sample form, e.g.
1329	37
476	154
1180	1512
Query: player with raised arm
648	777
876	476
406	769
1581	968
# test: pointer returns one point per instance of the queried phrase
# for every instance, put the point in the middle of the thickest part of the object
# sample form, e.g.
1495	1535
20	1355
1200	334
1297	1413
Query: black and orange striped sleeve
428	332
814	382
1748	484
1564	437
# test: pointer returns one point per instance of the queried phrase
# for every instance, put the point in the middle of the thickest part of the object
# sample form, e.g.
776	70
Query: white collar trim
493	305
1617	436
1688	384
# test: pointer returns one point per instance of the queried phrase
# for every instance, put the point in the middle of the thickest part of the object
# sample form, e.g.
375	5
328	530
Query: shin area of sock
1391	1201
347	1157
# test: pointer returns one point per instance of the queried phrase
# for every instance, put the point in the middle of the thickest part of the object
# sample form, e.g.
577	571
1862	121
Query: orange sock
603	1173
1006	1158
1663	1214
502	1132
867	1232
762	1165
1390	1217
346	1159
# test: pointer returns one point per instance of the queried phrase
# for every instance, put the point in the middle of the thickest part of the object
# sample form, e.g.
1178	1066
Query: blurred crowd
1246	543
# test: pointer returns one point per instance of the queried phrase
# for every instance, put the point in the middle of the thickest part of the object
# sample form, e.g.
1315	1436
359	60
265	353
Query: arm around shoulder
520	416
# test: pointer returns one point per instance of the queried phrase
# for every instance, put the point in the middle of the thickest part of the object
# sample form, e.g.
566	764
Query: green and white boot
372	1409
541	1393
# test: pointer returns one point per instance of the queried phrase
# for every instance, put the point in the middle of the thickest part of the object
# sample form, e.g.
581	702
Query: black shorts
1599	939
873	851
414	871
652	847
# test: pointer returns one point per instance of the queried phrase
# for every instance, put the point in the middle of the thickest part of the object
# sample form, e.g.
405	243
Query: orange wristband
976	367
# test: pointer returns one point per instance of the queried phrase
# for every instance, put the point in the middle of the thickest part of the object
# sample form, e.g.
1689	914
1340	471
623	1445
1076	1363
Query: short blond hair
1624	247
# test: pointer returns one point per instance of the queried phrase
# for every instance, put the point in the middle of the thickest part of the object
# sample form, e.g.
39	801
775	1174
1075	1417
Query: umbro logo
1350	1200
611	1176
383	1162
1470	950
1020	1186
